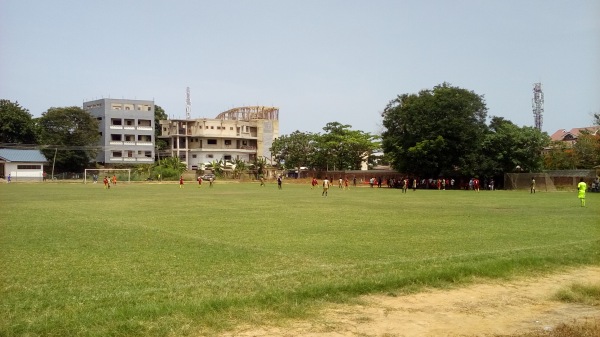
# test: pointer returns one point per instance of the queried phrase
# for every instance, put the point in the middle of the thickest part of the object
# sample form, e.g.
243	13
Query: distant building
22	165
241	133
569	138
126	130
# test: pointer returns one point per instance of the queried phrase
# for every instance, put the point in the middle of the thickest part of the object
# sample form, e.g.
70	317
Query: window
227	141
209	156
193	156
244	142
212	127
116	121
29	167
115	137
211	141
117	154
227	158
231	128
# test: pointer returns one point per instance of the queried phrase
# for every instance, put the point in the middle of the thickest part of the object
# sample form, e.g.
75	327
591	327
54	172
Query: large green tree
294	150
341	148
16	124
507	146
437	131
70	137
587	150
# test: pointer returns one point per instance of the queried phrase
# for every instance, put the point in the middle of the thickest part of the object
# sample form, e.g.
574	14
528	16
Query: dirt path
478	310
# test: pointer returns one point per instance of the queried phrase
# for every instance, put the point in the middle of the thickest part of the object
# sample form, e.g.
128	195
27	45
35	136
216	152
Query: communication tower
188	104
537	104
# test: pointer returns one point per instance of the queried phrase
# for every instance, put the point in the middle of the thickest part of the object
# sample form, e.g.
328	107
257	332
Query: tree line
443	131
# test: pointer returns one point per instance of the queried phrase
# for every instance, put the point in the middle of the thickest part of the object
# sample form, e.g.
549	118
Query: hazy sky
319	61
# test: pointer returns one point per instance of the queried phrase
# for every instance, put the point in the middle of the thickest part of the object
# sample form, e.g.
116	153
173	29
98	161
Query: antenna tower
188	104
537	103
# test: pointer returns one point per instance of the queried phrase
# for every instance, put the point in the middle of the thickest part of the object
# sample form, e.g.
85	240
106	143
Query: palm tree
260	163
239	166
217	167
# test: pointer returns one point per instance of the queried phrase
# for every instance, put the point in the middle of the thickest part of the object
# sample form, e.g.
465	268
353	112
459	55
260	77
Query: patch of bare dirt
484	309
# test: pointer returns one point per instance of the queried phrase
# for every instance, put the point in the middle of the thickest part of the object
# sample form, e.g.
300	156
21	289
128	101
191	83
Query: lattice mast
537	103
188	104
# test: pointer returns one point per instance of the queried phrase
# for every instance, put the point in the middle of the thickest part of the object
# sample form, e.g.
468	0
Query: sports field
145	259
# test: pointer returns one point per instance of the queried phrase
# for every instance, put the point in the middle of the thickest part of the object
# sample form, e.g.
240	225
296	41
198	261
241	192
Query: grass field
145	259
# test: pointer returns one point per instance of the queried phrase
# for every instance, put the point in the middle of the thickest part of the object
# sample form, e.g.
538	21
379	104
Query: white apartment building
126	130
241	133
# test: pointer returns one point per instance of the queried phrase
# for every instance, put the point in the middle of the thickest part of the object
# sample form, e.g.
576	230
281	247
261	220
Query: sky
318	61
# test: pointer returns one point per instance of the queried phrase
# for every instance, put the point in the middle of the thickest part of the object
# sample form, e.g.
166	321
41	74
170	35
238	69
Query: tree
559	157
294	150
70	134
506	146
239	166
437	131
587	150
16	124
169	168
159	114
342	148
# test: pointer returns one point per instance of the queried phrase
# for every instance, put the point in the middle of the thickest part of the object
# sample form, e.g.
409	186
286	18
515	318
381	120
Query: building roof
23	156
563	134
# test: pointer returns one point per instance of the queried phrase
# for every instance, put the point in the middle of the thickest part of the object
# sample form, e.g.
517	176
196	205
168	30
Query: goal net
520	181
95	175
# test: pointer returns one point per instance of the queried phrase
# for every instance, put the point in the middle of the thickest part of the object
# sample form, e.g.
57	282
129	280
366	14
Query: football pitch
146	259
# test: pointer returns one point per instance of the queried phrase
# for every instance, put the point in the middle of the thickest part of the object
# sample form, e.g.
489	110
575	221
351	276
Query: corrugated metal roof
25	156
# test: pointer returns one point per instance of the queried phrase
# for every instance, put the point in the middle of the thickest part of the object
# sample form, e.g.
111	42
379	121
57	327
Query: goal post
122	174
522	181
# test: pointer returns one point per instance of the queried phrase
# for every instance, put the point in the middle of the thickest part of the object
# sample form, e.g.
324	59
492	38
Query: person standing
8	179
106	182
199	181
279	181
414	181
346	183
325	187
532	185
262	181
581	188
354	181
340	182
313	183
180	181
114	179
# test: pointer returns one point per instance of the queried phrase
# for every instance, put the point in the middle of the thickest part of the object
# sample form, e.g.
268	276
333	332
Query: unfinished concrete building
240	133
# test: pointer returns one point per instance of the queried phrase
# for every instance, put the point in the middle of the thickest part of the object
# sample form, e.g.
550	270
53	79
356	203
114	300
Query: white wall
29	175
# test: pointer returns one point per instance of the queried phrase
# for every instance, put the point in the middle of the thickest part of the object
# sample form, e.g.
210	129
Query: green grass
155	260
585	293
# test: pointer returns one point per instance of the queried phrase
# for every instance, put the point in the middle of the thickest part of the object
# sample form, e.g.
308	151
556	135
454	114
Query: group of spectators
433	183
